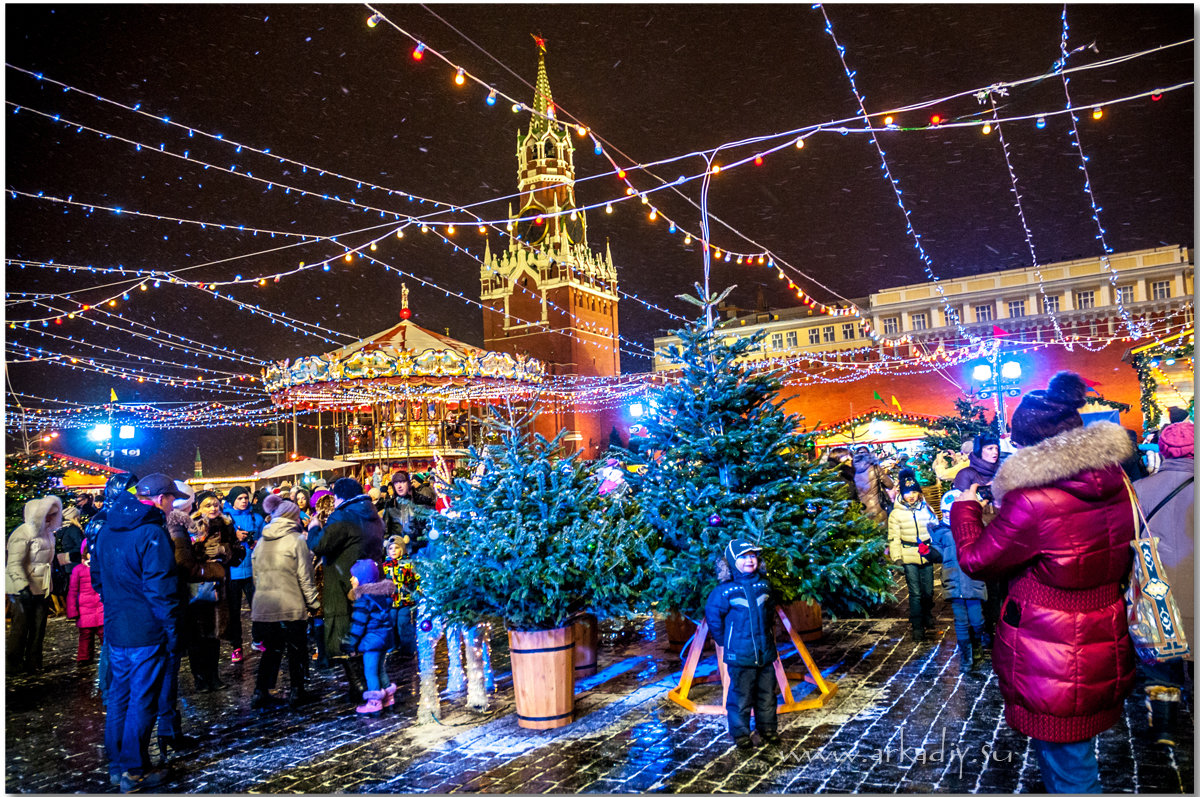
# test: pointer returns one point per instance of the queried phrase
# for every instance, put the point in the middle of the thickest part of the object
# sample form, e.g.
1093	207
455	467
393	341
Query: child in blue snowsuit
740	614
966	595
372	632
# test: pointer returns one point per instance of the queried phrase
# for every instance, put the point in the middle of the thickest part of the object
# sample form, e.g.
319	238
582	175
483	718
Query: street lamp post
999	379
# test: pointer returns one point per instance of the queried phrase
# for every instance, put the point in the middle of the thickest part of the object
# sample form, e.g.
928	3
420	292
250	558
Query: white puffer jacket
31	547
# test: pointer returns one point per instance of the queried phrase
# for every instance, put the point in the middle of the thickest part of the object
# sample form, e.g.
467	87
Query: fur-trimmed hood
384	588
1092	447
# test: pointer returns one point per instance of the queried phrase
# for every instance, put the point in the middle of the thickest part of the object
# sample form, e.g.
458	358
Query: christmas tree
723	460
948	433
26	477
528	538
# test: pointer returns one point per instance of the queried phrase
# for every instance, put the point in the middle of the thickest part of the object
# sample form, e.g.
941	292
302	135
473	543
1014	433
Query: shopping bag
1155	624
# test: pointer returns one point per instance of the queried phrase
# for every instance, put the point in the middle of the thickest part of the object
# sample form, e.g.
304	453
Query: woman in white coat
27	581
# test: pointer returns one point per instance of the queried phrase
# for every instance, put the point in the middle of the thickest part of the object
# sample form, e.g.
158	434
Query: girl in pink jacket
85	608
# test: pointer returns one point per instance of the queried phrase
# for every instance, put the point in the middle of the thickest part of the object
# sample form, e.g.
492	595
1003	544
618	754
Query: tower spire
543	100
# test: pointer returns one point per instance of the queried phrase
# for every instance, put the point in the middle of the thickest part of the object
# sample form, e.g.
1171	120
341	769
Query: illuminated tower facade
548	295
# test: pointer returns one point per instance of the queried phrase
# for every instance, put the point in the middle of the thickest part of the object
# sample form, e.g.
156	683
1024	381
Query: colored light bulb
1097	112
419	51
758	160
936	119
1041	123
987	128
460	77
373	20
491	97
799	143
887	120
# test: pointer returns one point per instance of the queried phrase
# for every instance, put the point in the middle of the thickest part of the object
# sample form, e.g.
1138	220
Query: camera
985	493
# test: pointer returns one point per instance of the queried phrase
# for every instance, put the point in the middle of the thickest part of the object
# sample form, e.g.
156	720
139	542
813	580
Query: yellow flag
896	404
112	394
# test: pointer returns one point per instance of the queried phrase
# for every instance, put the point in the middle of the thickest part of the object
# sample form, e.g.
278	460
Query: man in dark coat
115	486
135	577
354	531
406	513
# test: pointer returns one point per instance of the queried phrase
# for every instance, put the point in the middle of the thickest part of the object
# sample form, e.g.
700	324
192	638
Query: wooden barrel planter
543	669
587	638
805	617
679	630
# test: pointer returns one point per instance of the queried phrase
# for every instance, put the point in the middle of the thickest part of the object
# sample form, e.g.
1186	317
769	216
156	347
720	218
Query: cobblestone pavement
904	719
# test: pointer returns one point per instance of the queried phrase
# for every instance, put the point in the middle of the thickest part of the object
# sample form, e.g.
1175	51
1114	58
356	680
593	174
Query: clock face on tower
528	228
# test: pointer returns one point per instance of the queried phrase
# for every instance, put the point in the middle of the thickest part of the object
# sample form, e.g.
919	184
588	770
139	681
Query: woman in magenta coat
1061	538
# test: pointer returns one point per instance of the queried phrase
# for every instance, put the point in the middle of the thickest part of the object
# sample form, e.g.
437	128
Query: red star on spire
541	43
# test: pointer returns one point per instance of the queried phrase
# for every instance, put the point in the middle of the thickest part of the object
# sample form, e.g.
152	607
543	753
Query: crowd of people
157	572
1033	540
1033	543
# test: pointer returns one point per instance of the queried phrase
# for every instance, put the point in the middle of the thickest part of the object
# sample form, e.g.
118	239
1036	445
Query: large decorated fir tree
948	433
724	460
30	476
528	538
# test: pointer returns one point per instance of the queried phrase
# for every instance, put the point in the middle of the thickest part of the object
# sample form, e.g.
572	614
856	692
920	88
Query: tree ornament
714	520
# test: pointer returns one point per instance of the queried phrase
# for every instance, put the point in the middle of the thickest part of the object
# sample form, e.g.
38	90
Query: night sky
316	85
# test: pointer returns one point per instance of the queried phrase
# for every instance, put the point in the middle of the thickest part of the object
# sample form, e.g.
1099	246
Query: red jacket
83	604
1061	537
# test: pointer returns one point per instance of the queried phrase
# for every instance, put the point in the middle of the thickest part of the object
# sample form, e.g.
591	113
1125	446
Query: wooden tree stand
813	675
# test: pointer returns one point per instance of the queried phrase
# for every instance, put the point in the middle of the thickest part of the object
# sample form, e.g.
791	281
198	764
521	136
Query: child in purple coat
85	608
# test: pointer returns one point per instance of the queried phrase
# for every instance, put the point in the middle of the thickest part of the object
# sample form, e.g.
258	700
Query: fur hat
346	488
908	482
374	493
1042	414
70	512
983	441
283	509
365	570
400	476
235	493
1174	442
396	539
203	496
271	503
317	496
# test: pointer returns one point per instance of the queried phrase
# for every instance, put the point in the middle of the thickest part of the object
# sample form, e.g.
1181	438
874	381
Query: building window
814	335
1016	309
919	321
1085	300
848	331
891	326
983	312
777	341
1161	290
1049	304
829	336
949	313
791	339
1125	294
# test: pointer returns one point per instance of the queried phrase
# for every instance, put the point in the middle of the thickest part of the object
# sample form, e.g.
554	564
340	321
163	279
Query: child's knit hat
365	570
908	482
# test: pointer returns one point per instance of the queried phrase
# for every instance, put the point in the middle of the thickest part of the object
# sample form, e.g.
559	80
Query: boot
389	696
373	704
264	699
353	693
359	673
966	656
299	696
1162	704
985	639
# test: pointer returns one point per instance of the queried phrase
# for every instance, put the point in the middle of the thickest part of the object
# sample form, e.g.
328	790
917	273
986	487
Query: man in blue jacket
249	525
134	572
740	614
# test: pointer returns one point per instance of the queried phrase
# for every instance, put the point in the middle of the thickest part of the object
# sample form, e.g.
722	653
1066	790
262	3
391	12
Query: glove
923	548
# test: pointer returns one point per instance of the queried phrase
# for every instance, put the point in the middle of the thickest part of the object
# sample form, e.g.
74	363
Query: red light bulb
758	160
936	119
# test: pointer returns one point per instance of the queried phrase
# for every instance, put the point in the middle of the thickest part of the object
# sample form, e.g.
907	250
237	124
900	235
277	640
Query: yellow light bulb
450	230
653	215
799	143
399	233
608	208
687	239
482	230
716	168
987	128
349	257
459	77
1097	112
887	120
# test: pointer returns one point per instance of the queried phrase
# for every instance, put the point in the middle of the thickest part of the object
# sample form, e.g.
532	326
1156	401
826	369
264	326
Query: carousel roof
405	358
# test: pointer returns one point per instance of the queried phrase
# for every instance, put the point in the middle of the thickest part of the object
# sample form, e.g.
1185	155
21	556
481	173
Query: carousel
405	395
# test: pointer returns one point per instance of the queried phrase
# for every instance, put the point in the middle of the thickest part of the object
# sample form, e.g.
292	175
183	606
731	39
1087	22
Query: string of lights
35	355
951	312
1077	142
155	360
1012	176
